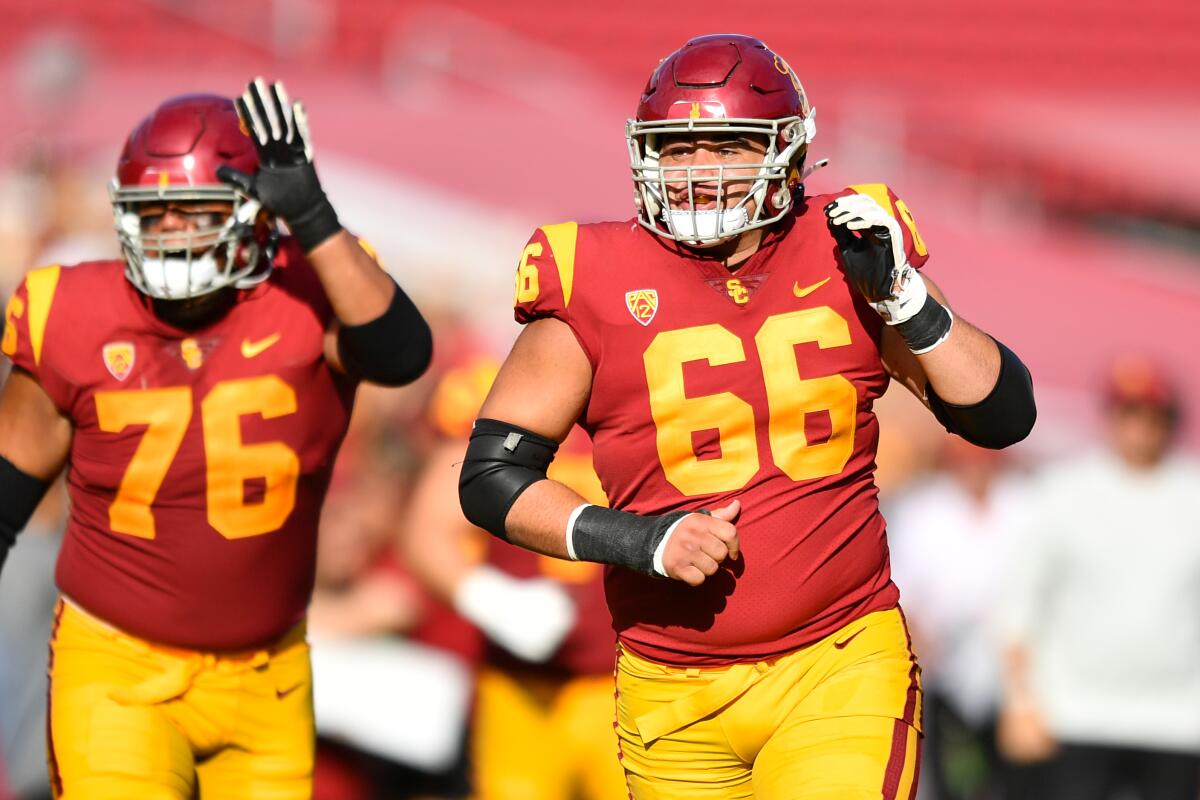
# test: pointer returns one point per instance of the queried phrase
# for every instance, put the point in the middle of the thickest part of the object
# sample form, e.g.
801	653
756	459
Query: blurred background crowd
1047	152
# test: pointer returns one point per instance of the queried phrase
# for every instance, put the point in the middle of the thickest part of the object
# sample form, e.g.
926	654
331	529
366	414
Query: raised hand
286	182
871	244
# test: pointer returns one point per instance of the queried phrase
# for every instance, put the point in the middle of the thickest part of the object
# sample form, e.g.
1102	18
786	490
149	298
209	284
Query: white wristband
570	532
662	547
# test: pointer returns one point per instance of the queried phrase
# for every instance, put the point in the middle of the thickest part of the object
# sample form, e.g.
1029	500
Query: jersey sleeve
26	329
546	273
545	280
914	245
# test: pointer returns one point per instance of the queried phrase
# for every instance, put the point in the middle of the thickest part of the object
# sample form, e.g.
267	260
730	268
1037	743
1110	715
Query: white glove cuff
662	548
905	305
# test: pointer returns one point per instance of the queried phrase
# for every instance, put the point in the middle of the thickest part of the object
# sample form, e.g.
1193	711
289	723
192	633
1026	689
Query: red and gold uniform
757	385
197	470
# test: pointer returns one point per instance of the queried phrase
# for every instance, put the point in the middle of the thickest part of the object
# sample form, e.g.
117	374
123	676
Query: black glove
872	248
286	182
866	242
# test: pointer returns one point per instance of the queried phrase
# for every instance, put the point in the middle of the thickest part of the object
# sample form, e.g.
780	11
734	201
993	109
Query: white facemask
175	277
707	225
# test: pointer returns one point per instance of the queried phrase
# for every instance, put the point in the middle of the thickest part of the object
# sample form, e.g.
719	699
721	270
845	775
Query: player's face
183	218
1141	433
711	156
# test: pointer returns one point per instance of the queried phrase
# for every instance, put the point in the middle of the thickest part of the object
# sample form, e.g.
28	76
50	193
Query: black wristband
20	494
928	328
1004	417
315	225
608	536
393	349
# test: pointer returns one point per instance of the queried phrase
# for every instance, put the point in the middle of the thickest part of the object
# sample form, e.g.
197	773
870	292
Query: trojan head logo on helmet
719	85
169	164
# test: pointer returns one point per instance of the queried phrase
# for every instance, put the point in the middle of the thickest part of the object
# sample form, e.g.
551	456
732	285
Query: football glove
286	182
872	247
528	617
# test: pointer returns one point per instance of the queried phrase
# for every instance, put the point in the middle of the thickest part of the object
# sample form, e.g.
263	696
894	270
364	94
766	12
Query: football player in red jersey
724	349
198	390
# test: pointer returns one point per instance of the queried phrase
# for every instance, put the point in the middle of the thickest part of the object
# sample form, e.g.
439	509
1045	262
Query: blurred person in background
367	625
724	350
951	540
1103	609
27	599
542	726
197	392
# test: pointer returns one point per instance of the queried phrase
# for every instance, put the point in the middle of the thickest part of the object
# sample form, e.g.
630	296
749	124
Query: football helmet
718	84
171	159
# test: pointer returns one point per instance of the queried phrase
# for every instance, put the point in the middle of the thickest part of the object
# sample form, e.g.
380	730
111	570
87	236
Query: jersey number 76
229	463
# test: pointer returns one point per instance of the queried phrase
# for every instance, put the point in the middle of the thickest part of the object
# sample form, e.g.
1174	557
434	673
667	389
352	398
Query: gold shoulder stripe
562	243
40	286
877	192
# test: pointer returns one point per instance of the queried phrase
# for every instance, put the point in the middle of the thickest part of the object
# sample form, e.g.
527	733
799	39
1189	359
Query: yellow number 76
166	413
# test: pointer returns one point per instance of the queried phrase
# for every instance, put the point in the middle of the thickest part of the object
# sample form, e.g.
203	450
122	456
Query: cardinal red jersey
199	460
709	386
589	648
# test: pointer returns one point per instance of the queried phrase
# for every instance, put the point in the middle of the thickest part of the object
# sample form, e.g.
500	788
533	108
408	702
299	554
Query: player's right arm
34	442
541	390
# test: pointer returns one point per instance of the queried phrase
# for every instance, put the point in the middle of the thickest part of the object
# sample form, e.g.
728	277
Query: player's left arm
379	335
35	439
973	384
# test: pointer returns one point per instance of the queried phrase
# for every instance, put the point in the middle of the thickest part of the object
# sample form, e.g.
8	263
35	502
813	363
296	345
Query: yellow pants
837	720
131	719
539	739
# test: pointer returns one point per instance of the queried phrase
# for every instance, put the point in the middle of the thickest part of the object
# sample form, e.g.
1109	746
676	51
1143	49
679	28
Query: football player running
198	392
724	349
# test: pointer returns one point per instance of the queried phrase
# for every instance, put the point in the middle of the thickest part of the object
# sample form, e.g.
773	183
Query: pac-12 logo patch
118	358
642	304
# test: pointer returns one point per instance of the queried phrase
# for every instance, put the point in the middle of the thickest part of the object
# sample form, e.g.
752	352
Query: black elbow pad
393	349
502	461
1003	418
20	494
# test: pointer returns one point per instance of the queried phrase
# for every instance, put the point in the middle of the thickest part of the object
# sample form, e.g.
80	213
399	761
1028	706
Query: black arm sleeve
393	349
1004	417
502	461
20	494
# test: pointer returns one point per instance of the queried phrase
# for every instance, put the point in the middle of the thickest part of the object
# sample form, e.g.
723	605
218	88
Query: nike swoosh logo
282	693
251	349
844	642
807	290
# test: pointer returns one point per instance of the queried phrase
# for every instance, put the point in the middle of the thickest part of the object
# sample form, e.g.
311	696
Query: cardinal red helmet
723	83
172	158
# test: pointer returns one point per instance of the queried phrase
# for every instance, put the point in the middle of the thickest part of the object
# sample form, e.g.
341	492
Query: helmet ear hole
782	197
